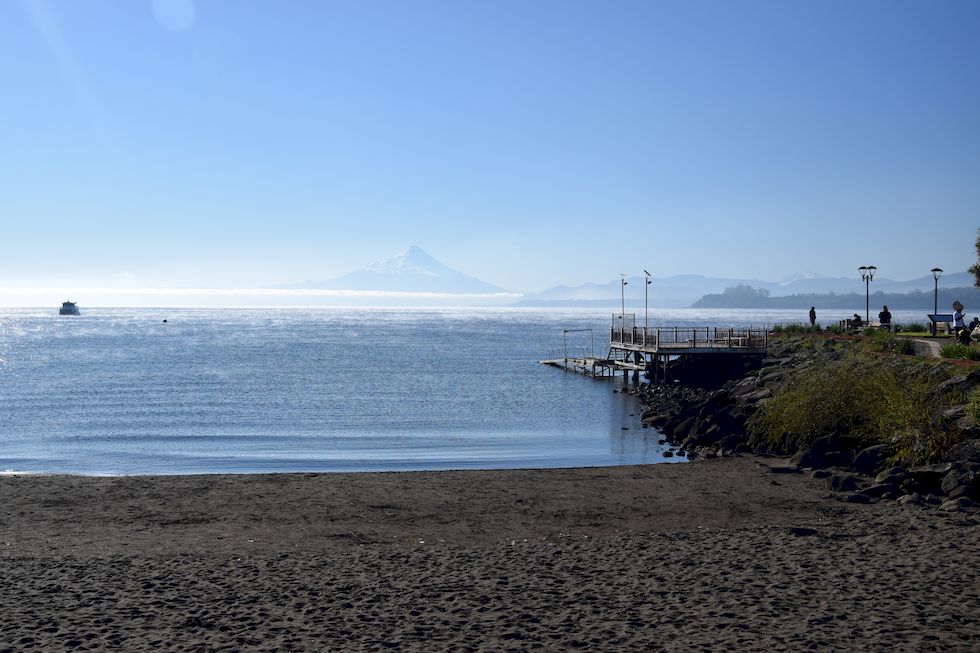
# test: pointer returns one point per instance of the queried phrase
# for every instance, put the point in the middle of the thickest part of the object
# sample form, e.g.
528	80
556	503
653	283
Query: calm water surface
117	391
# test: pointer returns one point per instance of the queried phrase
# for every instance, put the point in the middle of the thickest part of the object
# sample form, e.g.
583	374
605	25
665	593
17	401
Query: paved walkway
932	346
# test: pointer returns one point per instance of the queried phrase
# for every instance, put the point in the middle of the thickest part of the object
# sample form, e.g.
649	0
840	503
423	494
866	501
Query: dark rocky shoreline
705	414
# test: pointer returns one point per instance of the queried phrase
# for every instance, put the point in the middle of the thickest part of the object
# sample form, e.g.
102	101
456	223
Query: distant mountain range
679	291
416	272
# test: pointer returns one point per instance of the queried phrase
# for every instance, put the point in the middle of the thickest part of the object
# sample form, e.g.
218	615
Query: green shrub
885	341
881	340
860	401
912	326
836	329
795	328
956	350
973	405
904	346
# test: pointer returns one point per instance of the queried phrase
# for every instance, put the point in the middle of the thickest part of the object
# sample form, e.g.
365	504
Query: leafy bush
796	328
861	402
881	340
886	341
973	405
956	350
912	326
904	346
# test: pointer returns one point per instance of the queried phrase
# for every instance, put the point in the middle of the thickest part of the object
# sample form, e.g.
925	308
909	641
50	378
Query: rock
756	395
845	482
892	475
933	500
956	505
743	448
857	497
801	531
784	469
816	454
668	454
730	443
870	460
910	486
911	500
930	477
820	473
686	427
955	478
837	459
954	413
880	490
962	491
967	423
962	383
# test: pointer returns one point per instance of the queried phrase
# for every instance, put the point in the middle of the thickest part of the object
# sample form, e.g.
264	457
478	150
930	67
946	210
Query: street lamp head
936	273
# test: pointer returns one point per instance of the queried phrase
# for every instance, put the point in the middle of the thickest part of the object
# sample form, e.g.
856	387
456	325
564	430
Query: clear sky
529	143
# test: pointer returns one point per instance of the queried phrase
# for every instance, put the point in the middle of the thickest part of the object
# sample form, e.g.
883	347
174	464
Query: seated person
856	321
885	318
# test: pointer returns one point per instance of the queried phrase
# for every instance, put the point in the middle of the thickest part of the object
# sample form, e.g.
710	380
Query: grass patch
862	402
886	341
904	346
973	405
912	327
796	328
956	350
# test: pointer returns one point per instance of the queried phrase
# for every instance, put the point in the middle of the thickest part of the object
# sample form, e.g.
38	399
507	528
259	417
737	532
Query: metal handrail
690	337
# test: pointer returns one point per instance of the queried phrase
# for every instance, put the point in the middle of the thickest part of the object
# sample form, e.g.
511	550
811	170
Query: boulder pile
705	415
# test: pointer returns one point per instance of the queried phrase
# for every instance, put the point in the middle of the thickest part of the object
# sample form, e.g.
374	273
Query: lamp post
867	274
936	273
622	299
646	305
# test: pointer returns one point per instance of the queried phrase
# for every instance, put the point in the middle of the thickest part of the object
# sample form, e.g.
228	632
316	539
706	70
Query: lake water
118	391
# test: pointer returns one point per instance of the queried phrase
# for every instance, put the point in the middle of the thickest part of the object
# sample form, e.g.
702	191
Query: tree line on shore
744	296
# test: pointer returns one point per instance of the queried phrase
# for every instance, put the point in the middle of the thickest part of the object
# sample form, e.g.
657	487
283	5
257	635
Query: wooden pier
639	349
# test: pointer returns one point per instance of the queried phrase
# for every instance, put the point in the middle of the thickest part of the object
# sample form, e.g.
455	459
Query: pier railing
686	337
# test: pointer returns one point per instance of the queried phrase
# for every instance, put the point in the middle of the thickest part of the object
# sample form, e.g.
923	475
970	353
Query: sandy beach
712	555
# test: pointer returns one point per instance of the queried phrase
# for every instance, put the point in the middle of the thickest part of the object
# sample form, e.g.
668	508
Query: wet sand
712	555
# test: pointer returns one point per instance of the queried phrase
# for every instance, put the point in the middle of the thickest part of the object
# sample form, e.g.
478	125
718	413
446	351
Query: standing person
958	327
813	316
885	318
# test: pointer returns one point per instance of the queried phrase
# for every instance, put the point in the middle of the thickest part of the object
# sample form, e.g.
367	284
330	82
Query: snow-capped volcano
411	271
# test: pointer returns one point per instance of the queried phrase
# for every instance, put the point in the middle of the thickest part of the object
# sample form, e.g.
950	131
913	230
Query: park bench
935	319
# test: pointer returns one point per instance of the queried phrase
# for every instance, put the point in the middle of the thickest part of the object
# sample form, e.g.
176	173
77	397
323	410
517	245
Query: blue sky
248	144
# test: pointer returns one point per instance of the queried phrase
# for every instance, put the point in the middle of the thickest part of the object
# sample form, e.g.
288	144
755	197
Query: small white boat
69	308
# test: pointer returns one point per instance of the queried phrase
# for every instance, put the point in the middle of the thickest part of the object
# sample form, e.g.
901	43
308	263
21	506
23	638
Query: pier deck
689	340
637	349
